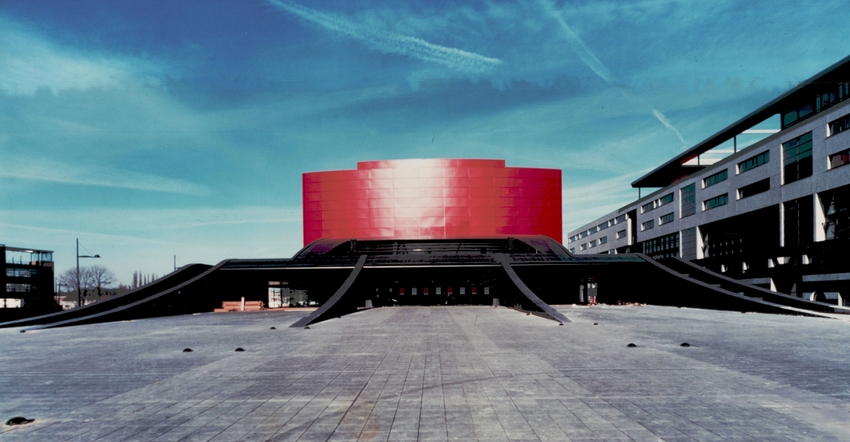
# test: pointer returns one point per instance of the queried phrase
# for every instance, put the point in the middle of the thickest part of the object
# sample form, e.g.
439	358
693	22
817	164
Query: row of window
10	288
12	272
604	225
663	219
662	247
837	126
652	205
811	106
719	200
797	153
716	178
743	166
797	165
797	225
439	291
744	192
593	243
753	162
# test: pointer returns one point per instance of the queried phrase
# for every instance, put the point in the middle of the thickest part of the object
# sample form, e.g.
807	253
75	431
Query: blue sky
150	129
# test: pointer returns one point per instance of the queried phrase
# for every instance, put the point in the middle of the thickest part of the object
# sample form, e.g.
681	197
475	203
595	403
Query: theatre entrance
433	286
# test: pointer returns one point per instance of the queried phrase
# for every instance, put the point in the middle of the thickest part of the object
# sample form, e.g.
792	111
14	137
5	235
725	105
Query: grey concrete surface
441	373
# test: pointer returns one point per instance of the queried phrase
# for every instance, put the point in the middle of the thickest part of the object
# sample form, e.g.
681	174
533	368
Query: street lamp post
79	291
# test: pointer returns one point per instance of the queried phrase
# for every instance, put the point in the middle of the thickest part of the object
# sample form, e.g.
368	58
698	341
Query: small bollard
18	420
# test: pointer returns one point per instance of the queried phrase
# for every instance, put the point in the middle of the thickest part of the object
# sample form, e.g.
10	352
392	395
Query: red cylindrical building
432	198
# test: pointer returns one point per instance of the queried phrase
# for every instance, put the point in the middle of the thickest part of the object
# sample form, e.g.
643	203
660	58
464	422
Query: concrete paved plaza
457	373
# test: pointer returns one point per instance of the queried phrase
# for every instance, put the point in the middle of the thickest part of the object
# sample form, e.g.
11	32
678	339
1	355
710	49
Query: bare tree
98	278
140	279
93	279
69	279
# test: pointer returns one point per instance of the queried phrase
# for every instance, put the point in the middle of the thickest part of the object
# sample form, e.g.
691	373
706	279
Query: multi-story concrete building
774	212
27	278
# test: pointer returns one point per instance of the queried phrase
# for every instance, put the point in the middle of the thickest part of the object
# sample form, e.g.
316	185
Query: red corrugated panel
432	198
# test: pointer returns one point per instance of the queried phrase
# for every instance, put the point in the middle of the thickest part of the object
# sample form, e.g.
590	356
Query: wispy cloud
95	175
592	61
156	219
583	204
131	239
28	62
393	43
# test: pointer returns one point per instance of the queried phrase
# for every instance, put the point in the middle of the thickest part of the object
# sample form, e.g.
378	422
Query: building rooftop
681	165
420	373
19	255
26	250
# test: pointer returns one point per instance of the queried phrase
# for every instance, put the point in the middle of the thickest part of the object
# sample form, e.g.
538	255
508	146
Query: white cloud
585	203
29	62
96	175
394	43
156	219
138	239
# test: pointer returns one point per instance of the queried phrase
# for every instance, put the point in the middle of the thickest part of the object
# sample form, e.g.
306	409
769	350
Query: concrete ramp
733	285
684	290
165	283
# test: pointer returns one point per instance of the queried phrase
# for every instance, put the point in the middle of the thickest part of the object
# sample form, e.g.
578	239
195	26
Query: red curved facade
432	198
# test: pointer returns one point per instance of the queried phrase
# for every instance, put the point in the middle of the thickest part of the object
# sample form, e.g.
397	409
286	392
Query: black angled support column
504	260
330	308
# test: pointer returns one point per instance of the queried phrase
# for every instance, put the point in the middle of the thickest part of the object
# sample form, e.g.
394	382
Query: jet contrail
591	61
667	124
577	45
413	47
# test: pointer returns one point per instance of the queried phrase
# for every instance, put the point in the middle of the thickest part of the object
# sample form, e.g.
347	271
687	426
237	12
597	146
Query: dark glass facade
836	208
798	221
754	188
689	205
662	247
797	161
